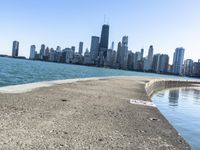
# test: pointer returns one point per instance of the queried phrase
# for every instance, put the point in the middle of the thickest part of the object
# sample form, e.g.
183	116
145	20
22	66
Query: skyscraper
124	52
178	60
103	47
42	50
155	63
15	49
164	63
113	45
119	51
94	49
80	51
149	60
142	53
188	64
32	52
104	37
150	53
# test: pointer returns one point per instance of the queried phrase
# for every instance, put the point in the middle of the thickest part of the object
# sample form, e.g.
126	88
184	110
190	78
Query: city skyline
100	55
165	25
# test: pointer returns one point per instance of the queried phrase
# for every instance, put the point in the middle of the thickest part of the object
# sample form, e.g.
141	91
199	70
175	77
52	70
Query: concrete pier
87	114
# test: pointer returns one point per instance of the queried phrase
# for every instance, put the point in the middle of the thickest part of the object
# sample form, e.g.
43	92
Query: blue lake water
16	71
181	107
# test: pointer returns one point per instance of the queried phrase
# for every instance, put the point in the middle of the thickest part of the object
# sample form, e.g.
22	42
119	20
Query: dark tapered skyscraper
104	37
15	49
103	47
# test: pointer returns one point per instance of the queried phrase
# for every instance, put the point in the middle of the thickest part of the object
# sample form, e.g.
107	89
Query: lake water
181	107
16	71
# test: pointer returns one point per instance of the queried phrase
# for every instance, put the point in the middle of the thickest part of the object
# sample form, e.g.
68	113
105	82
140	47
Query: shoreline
95	113
28	87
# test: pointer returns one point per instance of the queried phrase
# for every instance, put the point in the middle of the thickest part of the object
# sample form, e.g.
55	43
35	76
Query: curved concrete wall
159	84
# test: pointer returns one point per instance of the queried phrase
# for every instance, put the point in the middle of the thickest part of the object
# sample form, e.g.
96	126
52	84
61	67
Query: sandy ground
92	115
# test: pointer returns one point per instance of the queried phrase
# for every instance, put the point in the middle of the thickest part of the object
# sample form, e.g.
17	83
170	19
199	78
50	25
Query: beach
92	113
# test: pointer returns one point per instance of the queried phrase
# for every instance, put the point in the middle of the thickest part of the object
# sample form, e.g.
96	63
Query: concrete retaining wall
158	85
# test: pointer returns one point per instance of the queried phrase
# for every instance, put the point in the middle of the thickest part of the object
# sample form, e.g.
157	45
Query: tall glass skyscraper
178	60
104	37
103	47
94	48
15	49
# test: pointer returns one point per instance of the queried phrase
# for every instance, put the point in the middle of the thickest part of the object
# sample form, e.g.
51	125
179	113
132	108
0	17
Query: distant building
52	55
156	63
110	58
188	64
94	49
80	48
73	48
69	53
124	53
178	60
149	60
103	47
32	52
164	63
58	49
113	45
15	49
130	61
78	59
87	58
46	52
119	53
150	53
42	50
142	53
196	69
136	60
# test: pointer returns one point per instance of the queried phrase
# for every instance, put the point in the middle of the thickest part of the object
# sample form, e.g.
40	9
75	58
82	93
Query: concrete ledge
23	88
159	84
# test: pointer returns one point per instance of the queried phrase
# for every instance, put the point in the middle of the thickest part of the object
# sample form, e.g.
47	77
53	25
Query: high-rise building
124	52
156	63
188	64
142	53
130	60
113	45
46	52
104	37
150	53
196	69
73	48
178	60
164	63
94	49
103	46
137	59
15	49
119	51
149	60
42	50
80	51
32	52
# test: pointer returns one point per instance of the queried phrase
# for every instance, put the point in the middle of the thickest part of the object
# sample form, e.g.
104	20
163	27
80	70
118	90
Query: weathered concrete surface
85	115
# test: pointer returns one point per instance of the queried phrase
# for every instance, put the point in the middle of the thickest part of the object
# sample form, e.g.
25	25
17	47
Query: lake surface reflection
182	109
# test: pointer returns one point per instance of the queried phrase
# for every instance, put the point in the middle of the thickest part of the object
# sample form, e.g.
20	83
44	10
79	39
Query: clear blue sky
166	24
